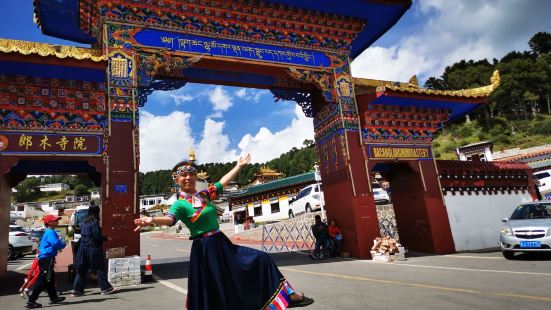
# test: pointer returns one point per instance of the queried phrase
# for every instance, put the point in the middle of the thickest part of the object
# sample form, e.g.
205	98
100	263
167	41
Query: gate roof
70	19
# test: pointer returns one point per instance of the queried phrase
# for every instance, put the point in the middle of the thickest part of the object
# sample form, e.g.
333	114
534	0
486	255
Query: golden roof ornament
44	49
413	81
191	154
381	86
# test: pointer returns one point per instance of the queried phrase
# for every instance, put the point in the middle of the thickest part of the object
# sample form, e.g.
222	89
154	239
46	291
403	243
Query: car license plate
530	244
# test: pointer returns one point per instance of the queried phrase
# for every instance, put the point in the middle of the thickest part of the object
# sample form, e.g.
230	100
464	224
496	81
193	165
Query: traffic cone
148	272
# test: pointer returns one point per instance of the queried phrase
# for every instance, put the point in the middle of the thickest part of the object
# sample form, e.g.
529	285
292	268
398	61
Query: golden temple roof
413	87
44	49
265	171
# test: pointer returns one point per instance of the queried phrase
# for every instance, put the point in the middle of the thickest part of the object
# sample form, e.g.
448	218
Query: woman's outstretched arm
243	160
146	221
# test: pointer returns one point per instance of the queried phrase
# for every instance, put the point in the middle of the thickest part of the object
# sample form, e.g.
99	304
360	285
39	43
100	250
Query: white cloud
214	144
220	99
251	94
455	30
180	99
164	140
265	145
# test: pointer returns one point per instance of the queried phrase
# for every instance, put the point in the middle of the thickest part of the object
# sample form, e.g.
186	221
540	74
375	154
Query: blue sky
222	122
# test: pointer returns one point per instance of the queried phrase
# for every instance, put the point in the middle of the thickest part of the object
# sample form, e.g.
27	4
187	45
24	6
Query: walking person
49	245
222	275
90	255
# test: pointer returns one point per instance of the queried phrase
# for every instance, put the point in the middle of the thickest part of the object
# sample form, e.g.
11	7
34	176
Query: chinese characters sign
49	143
230	48
399	152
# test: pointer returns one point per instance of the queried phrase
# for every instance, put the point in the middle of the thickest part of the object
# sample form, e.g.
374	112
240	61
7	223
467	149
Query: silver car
527	230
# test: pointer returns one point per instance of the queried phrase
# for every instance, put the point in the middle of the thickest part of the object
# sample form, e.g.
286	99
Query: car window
542	175
316	189
17	228
375	185
532	211
306	191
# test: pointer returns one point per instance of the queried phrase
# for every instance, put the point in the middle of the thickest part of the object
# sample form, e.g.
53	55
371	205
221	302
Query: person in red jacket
335	235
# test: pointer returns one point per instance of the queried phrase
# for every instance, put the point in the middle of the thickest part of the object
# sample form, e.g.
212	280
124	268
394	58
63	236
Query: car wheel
11	253
308	208
508	254
291	215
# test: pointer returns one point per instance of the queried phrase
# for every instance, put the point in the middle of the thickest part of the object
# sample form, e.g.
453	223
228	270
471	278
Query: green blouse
197	211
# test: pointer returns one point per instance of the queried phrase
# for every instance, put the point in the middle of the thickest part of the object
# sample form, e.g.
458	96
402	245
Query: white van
308	199
544	178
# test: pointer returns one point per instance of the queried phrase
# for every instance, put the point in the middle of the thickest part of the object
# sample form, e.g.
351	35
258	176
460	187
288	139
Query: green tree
540	43
27	190
81	190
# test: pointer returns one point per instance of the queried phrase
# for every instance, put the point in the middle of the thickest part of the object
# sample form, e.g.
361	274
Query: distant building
94	195
268	201
54	187
538	158
265	175
480	151
28	210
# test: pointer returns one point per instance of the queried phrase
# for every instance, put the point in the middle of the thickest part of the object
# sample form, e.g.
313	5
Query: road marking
466	269
182	250
169	284
23	267
419	285
477	257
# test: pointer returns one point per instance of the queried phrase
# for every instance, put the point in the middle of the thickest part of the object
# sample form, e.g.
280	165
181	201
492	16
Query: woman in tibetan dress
222	275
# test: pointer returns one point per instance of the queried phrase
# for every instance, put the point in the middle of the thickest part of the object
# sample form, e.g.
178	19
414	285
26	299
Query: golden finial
413	81
191	154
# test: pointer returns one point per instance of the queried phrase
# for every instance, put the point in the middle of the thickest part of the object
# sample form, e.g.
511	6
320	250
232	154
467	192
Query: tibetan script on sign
50	143
399	152
230	48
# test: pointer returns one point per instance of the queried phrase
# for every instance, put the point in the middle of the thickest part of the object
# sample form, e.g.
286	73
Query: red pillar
119	197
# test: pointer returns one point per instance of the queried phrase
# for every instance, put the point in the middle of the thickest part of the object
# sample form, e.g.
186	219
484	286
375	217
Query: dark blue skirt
225	276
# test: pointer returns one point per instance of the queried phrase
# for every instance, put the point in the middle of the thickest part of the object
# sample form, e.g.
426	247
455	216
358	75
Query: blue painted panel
52	167
221	76
231	48
121	188
51	71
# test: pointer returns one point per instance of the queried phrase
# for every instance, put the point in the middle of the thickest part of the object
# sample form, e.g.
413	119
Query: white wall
475	220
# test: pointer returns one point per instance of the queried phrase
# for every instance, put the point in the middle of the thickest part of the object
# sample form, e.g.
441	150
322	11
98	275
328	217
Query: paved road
463	281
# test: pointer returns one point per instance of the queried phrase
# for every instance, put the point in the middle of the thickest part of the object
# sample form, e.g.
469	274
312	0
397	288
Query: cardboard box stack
386	249
124	271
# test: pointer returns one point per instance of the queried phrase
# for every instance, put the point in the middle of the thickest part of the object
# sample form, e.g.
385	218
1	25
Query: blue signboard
121	188
230	48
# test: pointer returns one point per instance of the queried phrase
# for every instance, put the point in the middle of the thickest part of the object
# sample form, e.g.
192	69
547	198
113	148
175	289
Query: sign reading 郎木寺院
409	152
37	143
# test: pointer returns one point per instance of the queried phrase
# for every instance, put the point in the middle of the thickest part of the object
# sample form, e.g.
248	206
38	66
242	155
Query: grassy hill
504	133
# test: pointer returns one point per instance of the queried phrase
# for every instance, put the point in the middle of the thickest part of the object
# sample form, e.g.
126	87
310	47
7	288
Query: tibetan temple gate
75	110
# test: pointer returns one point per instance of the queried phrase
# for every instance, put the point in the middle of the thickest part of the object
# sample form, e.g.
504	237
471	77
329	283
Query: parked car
544	178
36	234
20	242
527	230
381	196
308	199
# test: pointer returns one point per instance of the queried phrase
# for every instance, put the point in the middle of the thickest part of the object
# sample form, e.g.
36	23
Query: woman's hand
243	160
143	221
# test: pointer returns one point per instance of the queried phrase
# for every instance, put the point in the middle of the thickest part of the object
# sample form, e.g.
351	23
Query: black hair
93	213
184	162
318	217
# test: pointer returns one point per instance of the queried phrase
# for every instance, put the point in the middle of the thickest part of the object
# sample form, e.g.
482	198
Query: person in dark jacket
49	245
321	233
90	255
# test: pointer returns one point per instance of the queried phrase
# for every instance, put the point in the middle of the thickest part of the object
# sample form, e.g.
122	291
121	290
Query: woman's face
332	223
187	182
